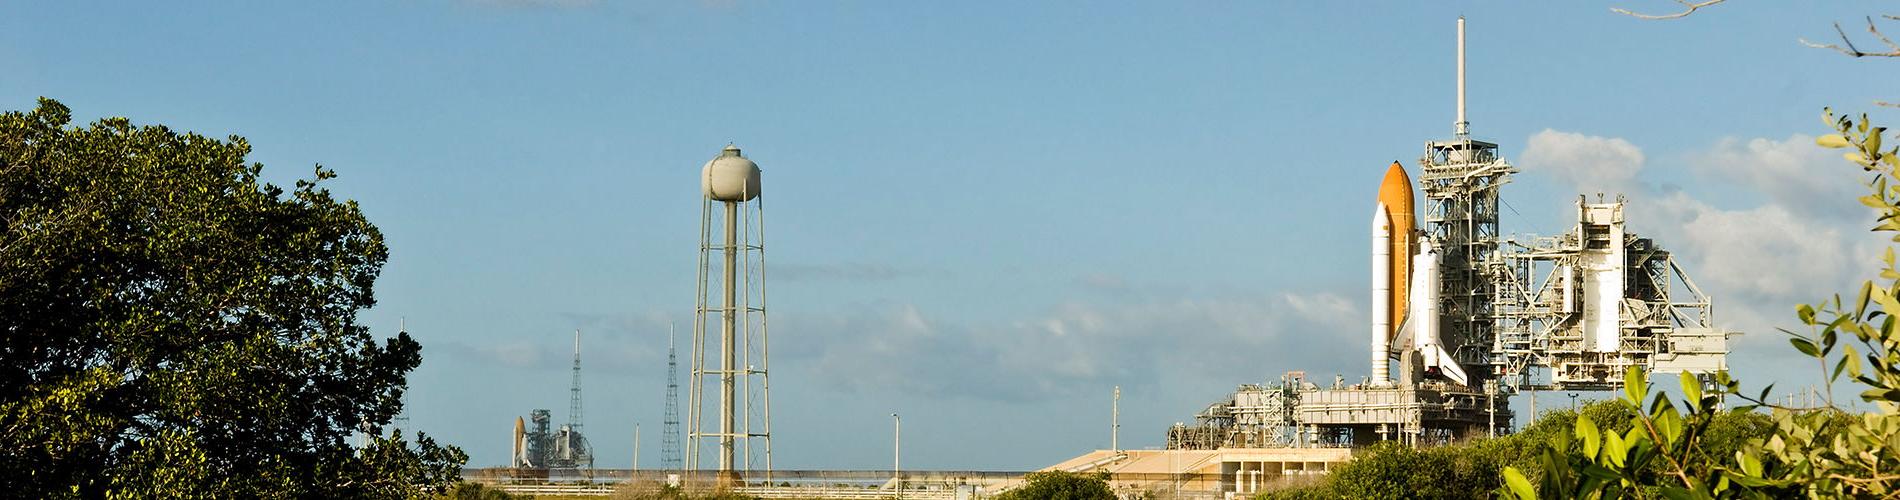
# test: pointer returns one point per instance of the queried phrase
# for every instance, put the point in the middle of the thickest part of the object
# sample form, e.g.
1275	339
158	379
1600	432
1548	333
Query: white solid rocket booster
1381	294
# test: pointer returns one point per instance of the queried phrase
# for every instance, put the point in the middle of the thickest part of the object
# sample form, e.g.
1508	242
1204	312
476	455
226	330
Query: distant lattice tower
574	390
670	435
736	315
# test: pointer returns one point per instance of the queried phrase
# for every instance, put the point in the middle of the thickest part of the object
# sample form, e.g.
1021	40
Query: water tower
731	305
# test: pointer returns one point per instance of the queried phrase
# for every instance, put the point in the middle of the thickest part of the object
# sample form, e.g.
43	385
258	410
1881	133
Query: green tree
1473	469
173	327
1059	485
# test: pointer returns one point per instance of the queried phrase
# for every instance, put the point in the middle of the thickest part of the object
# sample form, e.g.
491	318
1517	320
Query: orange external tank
1395	192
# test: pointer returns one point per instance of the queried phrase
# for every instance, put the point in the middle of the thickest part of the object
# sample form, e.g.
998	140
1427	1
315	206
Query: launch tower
1460	178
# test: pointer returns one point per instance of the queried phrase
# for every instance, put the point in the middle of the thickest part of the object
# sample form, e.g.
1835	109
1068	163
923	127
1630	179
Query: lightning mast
670	434
574	391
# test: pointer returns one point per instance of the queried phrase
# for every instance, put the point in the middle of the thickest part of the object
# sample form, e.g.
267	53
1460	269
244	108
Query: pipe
728	361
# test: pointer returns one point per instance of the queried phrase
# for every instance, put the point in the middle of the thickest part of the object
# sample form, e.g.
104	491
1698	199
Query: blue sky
982	215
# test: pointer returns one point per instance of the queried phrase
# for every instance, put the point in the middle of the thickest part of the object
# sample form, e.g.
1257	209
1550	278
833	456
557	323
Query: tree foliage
1812	452
478	491
1394	471
1059	485
174	327
1474	469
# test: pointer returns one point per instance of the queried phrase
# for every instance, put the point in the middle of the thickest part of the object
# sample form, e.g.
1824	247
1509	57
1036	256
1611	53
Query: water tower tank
730	177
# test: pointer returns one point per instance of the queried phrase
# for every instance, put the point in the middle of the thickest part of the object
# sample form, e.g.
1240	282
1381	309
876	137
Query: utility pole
897	441
1115	423
1533	418
636	446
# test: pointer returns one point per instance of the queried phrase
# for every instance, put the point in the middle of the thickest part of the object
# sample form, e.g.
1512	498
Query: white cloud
1796	174
516	354
610	343
1076	344
1590	163
1767	251
1102	282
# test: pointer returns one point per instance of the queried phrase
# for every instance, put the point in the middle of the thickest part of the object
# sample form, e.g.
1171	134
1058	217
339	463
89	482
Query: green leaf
1614	449
1600	473
1805	346
1828	338
1752	482
1872	395
1634	386
1832	141
1669	425
1750	464
1518	484
1866	293
1587	432
1851	360
1692	389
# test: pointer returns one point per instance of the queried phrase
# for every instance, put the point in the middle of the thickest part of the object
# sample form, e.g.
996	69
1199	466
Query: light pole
1174	467
897	440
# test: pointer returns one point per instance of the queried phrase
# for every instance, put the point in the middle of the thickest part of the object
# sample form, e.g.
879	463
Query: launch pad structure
1473	317
538	447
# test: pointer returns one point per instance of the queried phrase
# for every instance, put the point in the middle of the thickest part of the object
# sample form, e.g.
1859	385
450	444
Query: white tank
730	177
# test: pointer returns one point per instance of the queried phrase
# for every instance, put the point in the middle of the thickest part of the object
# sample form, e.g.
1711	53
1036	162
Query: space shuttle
1405	287
518	456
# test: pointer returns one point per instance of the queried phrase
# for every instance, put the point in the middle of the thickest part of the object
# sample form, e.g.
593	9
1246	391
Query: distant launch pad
1471	318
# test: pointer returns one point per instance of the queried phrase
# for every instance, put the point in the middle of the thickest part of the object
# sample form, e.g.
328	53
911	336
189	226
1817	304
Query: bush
1058	485
476	491
1472	469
